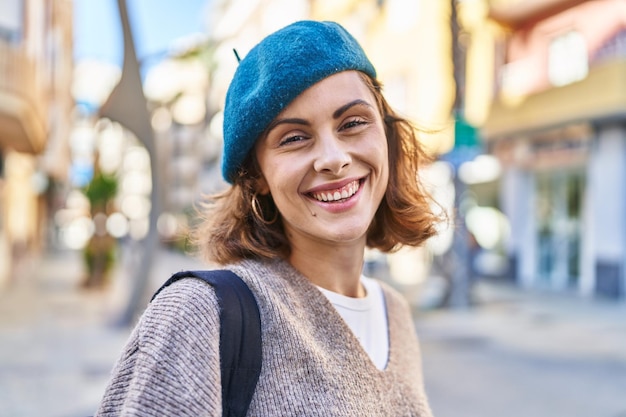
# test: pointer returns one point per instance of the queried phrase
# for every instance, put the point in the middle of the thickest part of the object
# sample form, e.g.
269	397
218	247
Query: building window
567	59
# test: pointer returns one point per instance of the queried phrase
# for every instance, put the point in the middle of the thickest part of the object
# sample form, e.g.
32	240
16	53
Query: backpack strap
240	337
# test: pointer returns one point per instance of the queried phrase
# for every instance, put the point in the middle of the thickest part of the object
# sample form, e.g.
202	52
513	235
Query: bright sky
155	24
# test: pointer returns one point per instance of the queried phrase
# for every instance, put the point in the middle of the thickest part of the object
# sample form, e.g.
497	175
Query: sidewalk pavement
522	353
553	324
57	344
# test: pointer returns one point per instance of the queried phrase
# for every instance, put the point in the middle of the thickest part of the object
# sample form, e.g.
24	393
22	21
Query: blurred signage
466	144
567	146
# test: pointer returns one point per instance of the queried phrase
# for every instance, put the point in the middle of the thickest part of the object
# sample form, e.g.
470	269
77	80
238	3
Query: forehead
333	91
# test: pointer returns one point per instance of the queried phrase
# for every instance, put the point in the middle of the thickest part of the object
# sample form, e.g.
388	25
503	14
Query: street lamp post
458	295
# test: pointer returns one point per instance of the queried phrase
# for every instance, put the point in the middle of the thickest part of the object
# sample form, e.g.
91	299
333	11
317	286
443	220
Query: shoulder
276	285
183	295
269	275
172	353
249	269
187	307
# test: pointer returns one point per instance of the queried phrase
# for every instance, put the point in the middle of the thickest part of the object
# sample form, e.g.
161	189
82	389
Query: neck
336	269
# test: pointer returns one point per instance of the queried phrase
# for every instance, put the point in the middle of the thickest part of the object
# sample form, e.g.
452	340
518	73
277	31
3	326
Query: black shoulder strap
240	337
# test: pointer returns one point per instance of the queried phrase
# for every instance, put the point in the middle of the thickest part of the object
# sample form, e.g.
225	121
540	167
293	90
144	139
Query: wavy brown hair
232	228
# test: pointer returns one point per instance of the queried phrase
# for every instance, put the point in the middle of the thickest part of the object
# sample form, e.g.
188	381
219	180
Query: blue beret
274	73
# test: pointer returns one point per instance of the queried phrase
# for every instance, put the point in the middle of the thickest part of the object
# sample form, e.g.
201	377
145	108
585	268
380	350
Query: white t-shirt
367	317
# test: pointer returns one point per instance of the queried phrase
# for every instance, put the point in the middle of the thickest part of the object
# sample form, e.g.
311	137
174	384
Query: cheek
281	179
384	173
380	150
269	167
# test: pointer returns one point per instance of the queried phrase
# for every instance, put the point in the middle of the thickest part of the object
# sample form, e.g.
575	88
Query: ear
261	186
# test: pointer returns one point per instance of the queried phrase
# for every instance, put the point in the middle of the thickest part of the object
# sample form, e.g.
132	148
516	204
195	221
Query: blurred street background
110	133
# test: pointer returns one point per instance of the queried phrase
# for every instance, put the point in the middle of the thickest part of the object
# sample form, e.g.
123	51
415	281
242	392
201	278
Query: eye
291	139
353	123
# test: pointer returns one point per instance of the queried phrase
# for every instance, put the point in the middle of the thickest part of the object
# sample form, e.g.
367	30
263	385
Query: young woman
321	168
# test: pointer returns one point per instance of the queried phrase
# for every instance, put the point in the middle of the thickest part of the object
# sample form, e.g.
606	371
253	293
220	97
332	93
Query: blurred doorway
559	200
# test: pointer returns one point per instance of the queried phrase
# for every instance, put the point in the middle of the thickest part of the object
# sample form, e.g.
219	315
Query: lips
337	194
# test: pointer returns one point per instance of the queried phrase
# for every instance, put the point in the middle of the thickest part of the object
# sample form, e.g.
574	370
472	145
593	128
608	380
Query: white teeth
343	193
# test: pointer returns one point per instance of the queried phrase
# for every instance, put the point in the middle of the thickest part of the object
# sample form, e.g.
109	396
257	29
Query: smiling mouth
340	194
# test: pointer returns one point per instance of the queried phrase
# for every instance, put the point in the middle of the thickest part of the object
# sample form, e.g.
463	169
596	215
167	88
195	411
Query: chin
349	235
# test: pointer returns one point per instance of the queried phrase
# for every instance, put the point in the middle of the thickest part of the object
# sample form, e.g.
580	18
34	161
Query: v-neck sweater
367	318
313	365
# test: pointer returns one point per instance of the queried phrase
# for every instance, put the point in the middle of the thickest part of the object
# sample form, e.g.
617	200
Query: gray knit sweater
313	365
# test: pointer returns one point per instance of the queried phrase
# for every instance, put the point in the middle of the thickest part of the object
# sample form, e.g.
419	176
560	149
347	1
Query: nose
332	155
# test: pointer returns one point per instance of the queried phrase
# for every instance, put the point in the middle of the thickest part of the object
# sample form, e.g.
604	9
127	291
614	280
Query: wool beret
274	73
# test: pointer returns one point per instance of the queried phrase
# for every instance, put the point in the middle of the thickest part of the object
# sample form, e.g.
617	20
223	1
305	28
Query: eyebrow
341	110
336	114
293	120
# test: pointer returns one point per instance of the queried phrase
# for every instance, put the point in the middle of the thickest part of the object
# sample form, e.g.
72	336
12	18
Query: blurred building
552	109
35	113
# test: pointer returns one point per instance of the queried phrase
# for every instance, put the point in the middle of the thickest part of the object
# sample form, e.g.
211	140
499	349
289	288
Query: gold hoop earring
257	211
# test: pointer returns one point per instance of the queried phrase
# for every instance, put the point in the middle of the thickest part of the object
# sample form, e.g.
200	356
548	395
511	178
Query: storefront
558	208
543	194
557	123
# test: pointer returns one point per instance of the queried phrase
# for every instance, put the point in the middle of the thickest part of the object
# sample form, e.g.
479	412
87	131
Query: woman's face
324	161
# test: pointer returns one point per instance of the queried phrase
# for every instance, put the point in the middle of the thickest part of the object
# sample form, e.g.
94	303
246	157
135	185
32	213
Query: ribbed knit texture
313	365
